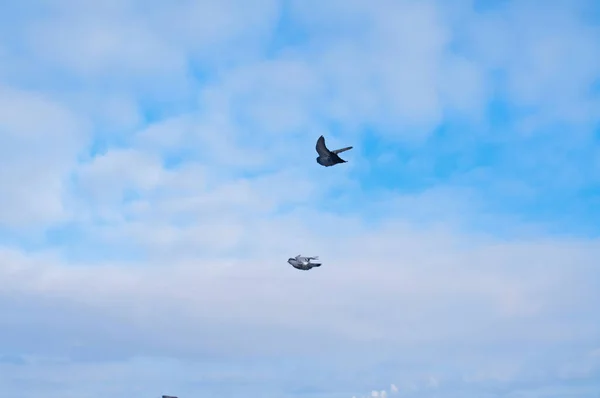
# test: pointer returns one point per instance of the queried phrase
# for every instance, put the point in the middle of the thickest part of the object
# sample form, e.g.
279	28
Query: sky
158	169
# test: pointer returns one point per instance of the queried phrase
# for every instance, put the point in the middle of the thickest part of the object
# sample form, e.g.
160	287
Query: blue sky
159	168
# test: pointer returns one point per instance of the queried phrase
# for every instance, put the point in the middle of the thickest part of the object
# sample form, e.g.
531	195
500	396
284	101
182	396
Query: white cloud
40	140
385	69
433	382
412	290
536	50
139	38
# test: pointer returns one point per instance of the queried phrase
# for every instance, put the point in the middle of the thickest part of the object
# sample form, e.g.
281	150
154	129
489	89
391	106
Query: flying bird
303	263
326	157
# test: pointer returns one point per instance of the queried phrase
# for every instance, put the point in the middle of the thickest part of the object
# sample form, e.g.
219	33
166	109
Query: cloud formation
159	168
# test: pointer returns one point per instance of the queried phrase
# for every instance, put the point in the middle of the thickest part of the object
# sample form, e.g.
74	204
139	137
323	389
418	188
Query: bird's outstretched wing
336	151
321	148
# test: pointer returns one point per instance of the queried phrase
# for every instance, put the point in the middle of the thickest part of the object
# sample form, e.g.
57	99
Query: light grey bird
326	157
303	263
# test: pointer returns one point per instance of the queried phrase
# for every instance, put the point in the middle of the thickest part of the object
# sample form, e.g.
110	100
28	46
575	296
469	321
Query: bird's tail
342	150
316	264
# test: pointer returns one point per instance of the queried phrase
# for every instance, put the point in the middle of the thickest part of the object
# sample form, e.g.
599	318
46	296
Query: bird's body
303	263
326	157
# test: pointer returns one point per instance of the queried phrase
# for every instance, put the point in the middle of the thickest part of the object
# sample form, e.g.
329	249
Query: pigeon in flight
326	157
303	263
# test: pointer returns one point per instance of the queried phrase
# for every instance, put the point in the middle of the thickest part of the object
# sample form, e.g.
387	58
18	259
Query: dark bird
326	157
